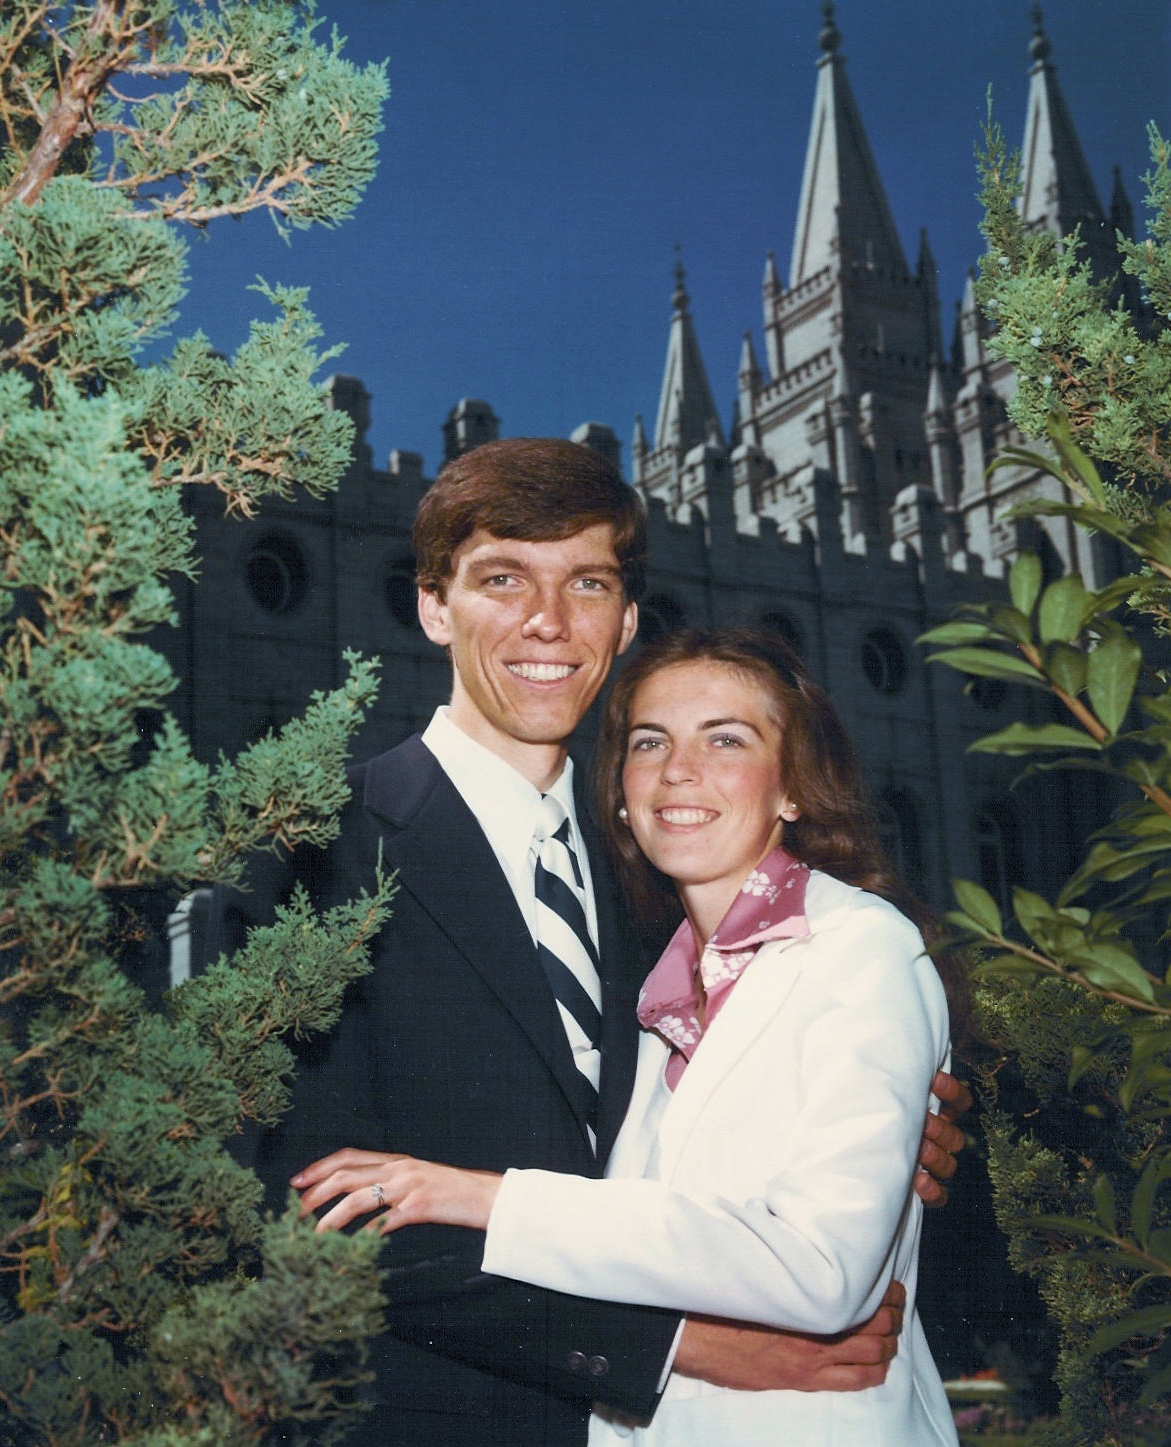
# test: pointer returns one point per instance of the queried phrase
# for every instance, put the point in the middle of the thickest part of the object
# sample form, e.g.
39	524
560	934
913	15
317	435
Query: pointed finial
1039	45
680	299
748	363
830	37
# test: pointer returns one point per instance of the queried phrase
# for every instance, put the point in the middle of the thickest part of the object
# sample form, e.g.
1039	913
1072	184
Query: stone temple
847	504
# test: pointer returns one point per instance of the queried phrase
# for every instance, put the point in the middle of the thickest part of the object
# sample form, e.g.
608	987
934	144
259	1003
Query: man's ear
629	628
433	617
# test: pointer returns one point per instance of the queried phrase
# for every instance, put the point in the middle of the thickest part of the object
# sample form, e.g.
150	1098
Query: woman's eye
644	745
723	741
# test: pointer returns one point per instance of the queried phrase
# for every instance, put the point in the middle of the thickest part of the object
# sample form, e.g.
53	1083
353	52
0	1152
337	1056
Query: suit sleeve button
576	1362
599	1366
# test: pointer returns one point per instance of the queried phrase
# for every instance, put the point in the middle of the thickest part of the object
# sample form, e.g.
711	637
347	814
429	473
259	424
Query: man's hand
757	1358
942	1141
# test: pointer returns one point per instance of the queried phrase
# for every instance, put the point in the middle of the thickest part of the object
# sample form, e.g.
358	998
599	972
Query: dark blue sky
542	158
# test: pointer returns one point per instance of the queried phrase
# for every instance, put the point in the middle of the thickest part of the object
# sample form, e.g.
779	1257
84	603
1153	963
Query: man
459	1046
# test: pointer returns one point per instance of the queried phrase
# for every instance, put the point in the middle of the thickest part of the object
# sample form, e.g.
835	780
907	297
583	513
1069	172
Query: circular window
783	625
277	575
400	593
884	661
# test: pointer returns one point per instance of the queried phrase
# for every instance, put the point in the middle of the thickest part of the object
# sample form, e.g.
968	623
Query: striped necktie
568	955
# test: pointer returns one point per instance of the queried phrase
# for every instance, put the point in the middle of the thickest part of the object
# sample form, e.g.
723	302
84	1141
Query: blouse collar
770	906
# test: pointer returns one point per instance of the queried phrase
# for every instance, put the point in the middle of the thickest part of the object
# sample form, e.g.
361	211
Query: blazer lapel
444	861
758	994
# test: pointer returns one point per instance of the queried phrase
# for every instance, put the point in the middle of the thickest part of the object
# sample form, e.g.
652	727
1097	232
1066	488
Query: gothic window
278	577
659	614
901	836
788	630
884	661
400	593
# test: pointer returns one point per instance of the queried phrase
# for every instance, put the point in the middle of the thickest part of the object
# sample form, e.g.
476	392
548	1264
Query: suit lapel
444	861
758	994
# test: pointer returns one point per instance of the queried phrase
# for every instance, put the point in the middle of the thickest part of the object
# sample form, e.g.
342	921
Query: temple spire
843	204
1057	189
687	410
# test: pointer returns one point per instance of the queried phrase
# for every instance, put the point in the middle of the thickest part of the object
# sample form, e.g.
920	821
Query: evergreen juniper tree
142	1299
1074	991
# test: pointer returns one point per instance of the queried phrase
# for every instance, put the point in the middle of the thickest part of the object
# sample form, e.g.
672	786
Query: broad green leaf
1080	1060
1150	1321
1109	597
1032	912
1077	464
1010	623
1142	1080
1005	966
1093	519
1111	967
1143	773
1159	1245
1142	1203
1150	823
986	663
1024	581
1156	1388
1066	666
1059	618
1076	1225
1111	674
958	632
1020	738
979	904
1154	542
1104	1203
1024	458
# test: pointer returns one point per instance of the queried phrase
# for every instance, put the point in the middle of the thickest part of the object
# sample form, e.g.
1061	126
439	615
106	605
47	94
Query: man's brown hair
536	489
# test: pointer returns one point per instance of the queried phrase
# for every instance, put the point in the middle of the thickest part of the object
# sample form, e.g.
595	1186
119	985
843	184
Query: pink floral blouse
770	906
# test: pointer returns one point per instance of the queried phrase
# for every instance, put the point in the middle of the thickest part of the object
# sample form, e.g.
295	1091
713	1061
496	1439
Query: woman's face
702	780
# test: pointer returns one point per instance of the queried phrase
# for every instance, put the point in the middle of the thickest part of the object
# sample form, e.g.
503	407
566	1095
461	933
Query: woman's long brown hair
836	831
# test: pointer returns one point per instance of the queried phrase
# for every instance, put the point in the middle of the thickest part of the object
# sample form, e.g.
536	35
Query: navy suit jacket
452	1049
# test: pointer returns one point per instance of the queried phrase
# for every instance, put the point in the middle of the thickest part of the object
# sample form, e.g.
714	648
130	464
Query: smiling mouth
679	815
542	672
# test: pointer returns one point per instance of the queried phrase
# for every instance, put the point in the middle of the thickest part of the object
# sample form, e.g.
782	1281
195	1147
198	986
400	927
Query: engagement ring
379	1197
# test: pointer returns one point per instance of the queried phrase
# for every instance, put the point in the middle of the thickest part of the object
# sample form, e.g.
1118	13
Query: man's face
533	629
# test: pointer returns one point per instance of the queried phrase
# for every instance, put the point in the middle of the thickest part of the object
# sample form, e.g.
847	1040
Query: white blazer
773	1185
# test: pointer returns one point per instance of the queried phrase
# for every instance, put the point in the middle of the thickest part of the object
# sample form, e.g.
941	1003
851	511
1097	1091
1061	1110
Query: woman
792	1029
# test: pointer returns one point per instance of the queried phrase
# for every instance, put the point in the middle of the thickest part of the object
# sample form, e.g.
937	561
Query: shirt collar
504	802
770	905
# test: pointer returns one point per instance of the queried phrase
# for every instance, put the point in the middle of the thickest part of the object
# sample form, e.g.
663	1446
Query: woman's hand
402	1190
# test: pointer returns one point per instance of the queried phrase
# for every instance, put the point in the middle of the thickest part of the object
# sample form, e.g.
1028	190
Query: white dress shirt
505	805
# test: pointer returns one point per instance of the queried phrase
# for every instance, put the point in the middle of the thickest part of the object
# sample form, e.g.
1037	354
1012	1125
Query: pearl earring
622	813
